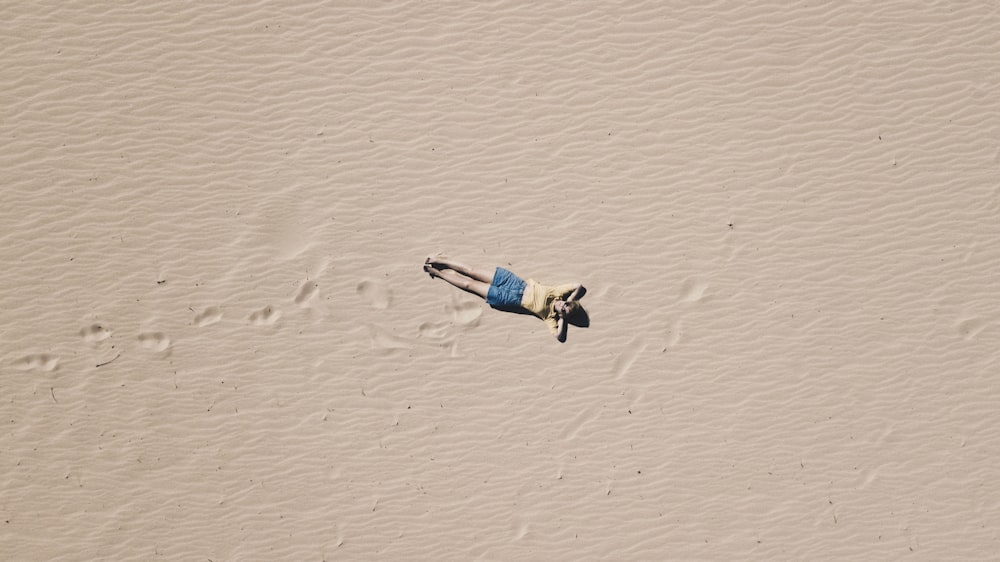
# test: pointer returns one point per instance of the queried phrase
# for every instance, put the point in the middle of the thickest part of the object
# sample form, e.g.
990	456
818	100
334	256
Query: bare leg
461	281
484	275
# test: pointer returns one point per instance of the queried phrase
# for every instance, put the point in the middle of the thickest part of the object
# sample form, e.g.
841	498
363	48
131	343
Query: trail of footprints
100	336
464	314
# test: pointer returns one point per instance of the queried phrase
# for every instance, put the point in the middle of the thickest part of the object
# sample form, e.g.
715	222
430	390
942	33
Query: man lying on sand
505	291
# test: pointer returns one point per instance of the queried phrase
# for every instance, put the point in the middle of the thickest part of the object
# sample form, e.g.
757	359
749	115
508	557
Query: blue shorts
506	290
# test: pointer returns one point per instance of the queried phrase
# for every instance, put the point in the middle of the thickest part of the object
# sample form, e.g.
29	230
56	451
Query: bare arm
561	329
578	292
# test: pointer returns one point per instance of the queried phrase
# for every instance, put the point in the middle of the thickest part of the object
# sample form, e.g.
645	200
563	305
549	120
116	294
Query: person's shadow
581	319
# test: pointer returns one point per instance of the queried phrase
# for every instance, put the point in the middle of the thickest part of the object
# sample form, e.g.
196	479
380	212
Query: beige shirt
540	300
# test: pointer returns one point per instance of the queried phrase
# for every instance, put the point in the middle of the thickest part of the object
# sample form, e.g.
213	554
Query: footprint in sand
627	356
306	293
207	317
385	342
520	528
37	362
434	330
693	290
970	327
265	316
673	335
95	333
375	293
154	341
466	313
585	416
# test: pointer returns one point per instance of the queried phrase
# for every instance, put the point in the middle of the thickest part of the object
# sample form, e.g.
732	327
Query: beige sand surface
218	344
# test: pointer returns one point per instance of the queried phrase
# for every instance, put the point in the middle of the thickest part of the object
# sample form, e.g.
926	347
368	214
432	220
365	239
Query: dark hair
571	308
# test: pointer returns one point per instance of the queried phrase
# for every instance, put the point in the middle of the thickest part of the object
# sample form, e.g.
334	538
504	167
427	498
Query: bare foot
431	270
437	259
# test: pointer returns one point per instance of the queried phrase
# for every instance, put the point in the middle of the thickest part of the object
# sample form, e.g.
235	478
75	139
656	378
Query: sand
218	343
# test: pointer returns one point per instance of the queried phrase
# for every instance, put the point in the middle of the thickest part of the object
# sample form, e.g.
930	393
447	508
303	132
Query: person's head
566	309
